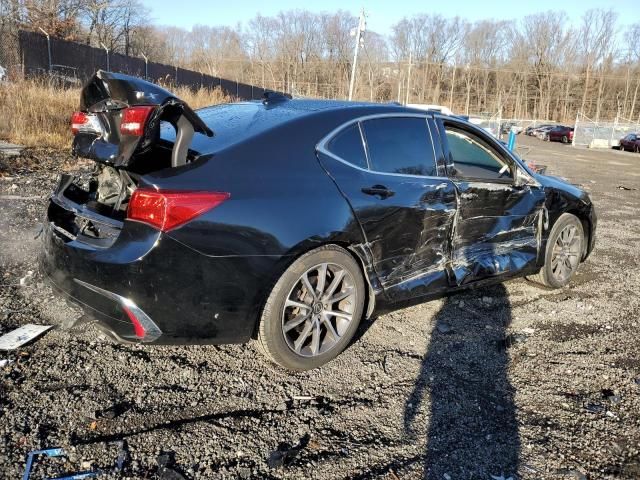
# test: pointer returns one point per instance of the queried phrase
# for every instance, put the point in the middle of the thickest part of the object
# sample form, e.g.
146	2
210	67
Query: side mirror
522	178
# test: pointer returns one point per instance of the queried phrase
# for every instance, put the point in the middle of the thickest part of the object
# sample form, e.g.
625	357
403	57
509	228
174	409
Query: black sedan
288	221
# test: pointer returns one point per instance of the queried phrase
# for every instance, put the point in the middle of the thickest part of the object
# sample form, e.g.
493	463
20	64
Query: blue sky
381	13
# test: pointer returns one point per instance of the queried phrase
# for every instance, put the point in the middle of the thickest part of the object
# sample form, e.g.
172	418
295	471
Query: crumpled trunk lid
104	99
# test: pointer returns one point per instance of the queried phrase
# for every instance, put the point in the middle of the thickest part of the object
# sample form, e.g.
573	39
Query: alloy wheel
318	309
565	256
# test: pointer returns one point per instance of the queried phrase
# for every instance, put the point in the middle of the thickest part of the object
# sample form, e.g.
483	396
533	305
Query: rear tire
313	310
563	253
636	149
565	139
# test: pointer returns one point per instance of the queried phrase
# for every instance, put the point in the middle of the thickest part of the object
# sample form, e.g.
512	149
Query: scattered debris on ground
22	335
524	383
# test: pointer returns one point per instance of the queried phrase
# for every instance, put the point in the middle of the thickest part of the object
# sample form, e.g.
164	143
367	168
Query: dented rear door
386	167
498	222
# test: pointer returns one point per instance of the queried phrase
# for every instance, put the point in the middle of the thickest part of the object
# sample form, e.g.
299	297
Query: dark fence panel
76	63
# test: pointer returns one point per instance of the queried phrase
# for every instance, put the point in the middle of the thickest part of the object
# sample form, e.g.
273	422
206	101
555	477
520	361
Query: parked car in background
560	133
533	129
541	132
511	127
288	221
630	143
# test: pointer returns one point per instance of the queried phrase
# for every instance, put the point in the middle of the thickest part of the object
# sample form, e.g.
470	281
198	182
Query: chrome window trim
322	146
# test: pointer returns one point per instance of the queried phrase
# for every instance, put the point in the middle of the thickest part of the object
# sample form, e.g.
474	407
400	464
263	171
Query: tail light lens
168	209
84	122
78	120
134	120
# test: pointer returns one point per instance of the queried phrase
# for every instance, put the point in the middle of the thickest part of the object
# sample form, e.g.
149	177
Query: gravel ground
507	381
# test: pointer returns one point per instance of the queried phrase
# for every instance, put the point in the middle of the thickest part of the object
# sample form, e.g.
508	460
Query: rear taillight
168	209
78	120
85	123
134	120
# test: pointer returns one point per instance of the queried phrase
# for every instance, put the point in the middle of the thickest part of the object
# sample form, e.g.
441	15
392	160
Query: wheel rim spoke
322	278
341	296
338	276
330	329
303	336
308	286
334	313
315	338
293	303
295	322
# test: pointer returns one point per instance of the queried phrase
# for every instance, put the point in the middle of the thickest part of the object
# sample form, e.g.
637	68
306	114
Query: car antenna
271	97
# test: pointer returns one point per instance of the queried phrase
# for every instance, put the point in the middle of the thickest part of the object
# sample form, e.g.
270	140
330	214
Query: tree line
540	66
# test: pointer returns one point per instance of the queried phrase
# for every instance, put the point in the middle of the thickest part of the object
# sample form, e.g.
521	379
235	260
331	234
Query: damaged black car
288	221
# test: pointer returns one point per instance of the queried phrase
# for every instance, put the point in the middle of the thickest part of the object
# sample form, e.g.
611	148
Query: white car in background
434	108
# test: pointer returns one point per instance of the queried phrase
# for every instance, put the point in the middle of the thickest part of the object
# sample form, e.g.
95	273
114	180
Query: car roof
235	122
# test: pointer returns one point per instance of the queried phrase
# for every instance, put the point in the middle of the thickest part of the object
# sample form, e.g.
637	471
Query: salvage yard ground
508	381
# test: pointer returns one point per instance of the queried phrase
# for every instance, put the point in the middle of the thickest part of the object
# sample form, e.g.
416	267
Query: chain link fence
598	134
26	54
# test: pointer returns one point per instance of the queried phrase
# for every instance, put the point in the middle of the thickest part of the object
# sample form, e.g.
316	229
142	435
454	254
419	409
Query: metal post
106	50
406	102
453	81
48	48
512	140
575	131
358	34
146	66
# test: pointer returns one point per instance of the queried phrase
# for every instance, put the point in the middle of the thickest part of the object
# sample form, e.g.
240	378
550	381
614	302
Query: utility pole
146	66
453	81
359	34
408	80
48	47
106	50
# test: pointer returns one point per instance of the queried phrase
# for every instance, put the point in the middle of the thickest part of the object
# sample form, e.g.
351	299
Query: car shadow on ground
471	429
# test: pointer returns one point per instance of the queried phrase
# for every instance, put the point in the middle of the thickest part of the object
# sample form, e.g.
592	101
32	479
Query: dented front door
498	220
496	230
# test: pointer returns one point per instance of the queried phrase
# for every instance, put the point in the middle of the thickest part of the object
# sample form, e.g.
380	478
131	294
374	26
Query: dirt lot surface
508	381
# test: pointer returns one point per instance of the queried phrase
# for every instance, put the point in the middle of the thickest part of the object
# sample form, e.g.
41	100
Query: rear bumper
188	297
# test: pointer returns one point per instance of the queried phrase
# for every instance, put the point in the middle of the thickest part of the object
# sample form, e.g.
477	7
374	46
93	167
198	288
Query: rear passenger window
347	145
400	145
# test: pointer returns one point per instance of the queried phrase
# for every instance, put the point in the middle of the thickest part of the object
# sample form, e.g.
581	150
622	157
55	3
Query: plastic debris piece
114	410
285	453
444	328
5	362
622	187
24	280
165	462
123	454
20	336
53	453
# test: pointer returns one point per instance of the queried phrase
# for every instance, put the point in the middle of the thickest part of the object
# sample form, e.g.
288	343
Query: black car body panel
415	236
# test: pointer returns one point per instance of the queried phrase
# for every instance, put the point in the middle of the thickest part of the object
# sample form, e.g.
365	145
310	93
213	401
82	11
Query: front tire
313	310
563	254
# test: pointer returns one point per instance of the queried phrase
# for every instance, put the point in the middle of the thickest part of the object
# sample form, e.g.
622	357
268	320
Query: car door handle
379	190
